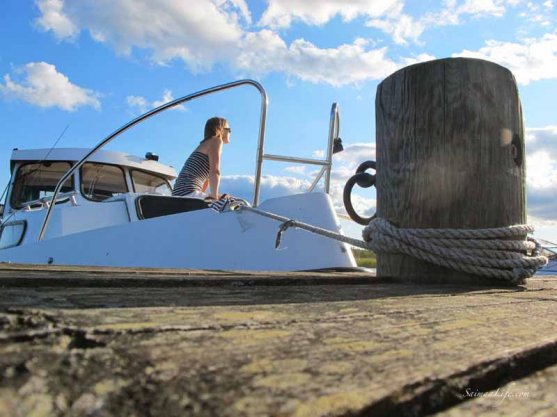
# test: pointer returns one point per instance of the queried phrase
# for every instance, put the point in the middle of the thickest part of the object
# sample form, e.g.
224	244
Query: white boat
101	208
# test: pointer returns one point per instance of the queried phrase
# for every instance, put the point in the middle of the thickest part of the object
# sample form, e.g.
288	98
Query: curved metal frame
327	163
334	130
259	157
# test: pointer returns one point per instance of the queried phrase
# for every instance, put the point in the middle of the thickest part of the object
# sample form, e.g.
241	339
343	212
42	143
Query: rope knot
283	227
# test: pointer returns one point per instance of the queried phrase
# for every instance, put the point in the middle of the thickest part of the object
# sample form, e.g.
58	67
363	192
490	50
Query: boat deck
115	342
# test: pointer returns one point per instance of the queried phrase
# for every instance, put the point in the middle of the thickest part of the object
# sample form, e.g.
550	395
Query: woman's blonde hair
214	127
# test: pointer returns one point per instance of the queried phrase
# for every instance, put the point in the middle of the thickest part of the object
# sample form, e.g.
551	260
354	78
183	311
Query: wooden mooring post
450	154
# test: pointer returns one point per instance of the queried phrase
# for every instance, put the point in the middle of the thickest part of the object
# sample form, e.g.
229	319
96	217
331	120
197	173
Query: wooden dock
132	342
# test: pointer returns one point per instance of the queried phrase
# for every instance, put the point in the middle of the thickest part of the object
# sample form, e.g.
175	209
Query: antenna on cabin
48	153
55	143
10	182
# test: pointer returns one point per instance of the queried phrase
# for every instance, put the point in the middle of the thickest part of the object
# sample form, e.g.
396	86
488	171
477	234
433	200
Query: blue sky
92	65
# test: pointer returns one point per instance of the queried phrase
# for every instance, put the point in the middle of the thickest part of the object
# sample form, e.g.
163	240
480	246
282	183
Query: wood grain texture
445	155
528	396
284	349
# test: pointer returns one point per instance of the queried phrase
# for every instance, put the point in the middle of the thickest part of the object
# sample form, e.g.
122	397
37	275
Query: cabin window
102	181
145	182
11	234
36	180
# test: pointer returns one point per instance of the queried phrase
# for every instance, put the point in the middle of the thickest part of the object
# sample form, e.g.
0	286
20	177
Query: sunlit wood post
450	154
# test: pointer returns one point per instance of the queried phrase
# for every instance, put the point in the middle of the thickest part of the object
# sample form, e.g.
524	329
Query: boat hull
203	239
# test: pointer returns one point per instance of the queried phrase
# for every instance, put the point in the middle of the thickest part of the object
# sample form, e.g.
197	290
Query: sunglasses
229	130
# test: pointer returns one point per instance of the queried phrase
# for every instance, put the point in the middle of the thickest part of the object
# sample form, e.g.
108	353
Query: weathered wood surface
110	342
450	140
533	396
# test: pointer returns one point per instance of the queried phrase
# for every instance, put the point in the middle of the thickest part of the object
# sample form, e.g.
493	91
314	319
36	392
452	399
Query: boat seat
149	206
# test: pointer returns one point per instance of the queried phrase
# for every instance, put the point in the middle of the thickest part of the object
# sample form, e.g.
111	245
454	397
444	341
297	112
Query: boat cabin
108	177
36	172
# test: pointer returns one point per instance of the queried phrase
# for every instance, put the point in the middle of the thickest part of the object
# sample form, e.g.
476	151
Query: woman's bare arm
215	149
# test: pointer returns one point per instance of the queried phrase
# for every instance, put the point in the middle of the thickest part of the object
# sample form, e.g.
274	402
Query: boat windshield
102	181
145	182
36	180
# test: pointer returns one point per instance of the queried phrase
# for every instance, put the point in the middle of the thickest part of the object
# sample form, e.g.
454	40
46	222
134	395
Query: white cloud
265	52
296	169
202	33
198	32
353	155
45	87
320	153
53	18
403	27
531	60
541	160
205	32
541	173
281	13
540	14
141	105
482	7
385	15
542	139
271	186
138	103
166	98
542	204
233	7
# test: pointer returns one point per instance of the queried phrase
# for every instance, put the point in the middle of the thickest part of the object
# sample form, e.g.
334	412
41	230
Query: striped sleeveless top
193	175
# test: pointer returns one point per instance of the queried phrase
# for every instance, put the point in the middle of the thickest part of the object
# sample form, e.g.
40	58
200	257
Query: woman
202	168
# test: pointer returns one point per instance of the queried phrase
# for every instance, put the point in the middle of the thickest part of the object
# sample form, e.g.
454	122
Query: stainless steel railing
327	163
112	136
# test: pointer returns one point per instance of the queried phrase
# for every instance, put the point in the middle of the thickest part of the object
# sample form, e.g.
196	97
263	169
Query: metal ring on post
364	166
364	180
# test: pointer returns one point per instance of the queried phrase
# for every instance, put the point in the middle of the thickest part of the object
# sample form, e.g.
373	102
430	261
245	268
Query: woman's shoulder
211	143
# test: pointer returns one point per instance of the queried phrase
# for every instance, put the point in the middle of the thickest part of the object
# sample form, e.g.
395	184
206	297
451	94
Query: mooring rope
287	223
481	252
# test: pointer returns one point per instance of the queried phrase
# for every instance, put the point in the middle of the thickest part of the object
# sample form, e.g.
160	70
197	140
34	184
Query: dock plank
531	396
201	343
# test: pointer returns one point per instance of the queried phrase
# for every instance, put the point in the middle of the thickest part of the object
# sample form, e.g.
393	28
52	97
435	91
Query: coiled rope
483	252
